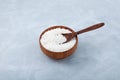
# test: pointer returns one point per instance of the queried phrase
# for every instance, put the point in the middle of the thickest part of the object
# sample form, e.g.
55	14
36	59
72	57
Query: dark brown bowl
58	55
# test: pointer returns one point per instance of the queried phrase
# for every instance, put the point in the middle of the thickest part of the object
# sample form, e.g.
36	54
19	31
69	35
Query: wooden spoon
69	36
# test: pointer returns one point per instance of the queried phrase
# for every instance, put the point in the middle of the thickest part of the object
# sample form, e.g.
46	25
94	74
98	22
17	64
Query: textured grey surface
96	58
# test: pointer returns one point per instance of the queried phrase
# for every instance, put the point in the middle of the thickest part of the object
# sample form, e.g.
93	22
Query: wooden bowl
58	55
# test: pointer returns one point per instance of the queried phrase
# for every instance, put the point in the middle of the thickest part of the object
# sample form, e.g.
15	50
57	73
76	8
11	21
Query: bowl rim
54	27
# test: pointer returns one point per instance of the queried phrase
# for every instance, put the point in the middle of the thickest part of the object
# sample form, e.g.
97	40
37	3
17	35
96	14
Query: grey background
96	58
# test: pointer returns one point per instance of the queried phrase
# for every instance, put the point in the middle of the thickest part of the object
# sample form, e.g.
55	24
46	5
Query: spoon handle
96	26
